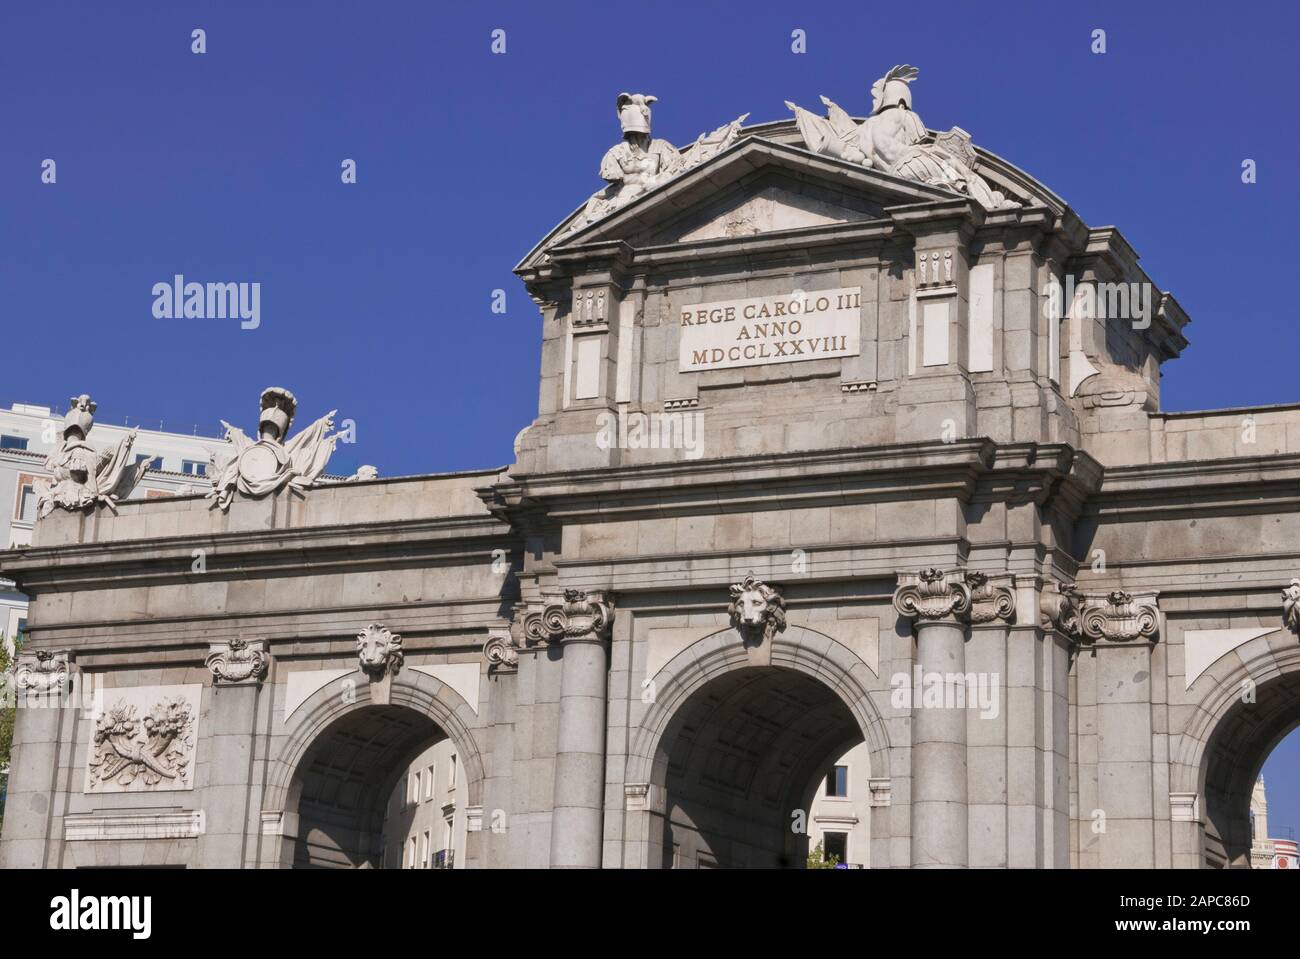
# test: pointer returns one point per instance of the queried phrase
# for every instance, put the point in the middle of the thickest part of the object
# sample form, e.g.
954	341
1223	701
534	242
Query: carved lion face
756	608
376	647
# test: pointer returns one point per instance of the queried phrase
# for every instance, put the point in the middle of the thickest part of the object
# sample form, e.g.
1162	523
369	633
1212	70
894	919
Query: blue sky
376	296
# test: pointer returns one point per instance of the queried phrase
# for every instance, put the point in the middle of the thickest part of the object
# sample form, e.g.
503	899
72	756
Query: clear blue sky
376	297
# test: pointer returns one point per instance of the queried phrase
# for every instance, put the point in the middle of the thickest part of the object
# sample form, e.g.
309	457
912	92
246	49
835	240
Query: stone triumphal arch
848	435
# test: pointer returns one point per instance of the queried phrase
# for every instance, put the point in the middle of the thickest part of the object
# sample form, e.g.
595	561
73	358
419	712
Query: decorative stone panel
144	739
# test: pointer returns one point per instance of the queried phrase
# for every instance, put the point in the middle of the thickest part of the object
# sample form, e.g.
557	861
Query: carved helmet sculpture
634	112
80	415
892	89
278	408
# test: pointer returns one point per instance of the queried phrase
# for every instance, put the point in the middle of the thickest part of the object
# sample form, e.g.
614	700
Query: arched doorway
329	790
344	782
732	752
1234	756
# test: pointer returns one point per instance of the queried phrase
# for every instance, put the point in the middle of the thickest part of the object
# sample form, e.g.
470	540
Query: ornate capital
757	610
1291	606
1059	608
1120	617
577	616
43	671
932	594
379	651
501	652
989	599
238	661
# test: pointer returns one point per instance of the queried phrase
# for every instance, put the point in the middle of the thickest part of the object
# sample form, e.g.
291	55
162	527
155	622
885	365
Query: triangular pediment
755	186
767	202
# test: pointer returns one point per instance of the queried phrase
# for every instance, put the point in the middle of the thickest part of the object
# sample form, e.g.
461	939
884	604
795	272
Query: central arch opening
741	761
343	785
1234	757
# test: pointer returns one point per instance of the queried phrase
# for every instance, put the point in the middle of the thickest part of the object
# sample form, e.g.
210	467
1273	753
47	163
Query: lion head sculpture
757	610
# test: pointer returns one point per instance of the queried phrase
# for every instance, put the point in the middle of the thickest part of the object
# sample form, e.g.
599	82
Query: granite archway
729	751
341	758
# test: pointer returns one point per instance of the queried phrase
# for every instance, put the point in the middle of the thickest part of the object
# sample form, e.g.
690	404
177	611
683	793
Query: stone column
1121	768
33	831
238	668
934	601
580	624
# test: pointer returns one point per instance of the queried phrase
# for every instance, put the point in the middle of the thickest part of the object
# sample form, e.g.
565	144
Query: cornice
1251	484
1049	474
244	554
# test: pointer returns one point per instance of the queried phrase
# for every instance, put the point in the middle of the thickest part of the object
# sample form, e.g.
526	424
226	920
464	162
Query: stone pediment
781	203
756	186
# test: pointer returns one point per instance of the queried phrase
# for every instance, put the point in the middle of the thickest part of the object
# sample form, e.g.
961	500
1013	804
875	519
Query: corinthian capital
501	652
577	616
42	672
238	661
990	600
1060	607
932	594
1120	617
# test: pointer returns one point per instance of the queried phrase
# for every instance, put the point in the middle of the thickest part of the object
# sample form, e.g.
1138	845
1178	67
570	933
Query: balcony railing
444	858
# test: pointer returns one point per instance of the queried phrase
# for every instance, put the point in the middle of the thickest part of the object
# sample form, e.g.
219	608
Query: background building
425	825
840	817
1267	852
29	433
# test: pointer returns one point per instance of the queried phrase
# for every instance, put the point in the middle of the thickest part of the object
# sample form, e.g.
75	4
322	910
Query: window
413	795
411	852
837	782
8	442
446	834
451	772
835	844
424	850
27	504
428	784
194	467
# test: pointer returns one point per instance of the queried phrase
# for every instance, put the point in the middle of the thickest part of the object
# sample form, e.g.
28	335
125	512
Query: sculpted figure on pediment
83	476
895	141
638	163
